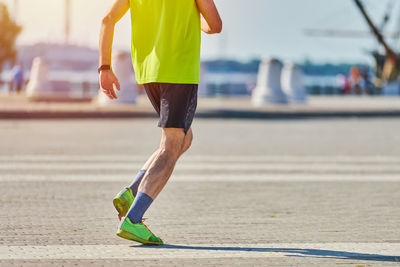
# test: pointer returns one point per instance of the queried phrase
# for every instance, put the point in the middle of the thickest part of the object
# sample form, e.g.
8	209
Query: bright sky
252	28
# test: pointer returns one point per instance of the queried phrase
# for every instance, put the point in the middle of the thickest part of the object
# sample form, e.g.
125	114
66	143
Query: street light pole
67	20
15	10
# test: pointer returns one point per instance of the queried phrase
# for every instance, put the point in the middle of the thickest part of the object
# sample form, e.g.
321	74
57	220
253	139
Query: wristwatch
103	67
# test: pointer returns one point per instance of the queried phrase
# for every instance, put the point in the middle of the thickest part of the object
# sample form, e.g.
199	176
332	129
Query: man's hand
107	80
211	21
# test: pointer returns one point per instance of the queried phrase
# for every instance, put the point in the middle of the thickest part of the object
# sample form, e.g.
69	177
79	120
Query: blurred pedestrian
368	87
355	78
17	81
343	82
166	59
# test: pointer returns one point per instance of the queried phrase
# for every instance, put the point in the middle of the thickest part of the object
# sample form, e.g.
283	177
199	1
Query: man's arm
211	21
107	77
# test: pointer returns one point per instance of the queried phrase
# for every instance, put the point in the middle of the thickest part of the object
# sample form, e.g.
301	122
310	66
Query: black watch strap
103	67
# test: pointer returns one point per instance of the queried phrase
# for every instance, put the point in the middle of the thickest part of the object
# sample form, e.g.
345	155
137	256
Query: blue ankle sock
141	203
136	182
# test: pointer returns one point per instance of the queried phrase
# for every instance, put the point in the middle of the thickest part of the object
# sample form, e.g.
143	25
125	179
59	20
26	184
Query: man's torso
166	41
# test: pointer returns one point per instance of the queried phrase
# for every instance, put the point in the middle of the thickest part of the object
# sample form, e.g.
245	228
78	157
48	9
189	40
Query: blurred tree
9	31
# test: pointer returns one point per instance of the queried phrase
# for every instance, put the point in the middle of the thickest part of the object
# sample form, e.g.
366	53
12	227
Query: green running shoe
138	232
123	201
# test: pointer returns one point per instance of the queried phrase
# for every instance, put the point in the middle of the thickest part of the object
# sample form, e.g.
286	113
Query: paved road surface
253	193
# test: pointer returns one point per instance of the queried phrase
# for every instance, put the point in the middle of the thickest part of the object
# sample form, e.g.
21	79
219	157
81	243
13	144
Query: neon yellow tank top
166	37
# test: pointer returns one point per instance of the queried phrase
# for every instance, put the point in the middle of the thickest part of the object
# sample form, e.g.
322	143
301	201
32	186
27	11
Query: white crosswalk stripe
361	251
202	168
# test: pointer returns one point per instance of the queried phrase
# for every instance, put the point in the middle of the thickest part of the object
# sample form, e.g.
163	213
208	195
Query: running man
166	36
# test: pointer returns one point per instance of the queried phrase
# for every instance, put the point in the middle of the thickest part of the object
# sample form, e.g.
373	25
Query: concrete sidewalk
345	223
248	193
18	107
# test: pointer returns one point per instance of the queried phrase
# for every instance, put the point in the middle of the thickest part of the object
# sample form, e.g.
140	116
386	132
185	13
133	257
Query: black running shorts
174	103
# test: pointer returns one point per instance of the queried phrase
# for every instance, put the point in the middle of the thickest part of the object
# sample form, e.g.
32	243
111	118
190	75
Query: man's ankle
139	207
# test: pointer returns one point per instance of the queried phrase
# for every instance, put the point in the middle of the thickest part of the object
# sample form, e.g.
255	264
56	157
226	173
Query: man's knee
172	141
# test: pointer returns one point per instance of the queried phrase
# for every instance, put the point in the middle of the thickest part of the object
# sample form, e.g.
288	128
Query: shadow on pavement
294	252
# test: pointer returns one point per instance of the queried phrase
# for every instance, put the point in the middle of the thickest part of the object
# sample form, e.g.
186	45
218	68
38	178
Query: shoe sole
121	205
132	237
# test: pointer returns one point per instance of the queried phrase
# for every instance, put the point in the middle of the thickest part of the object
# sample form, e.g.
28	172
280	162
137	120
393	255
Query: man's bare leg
139	177
172	146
